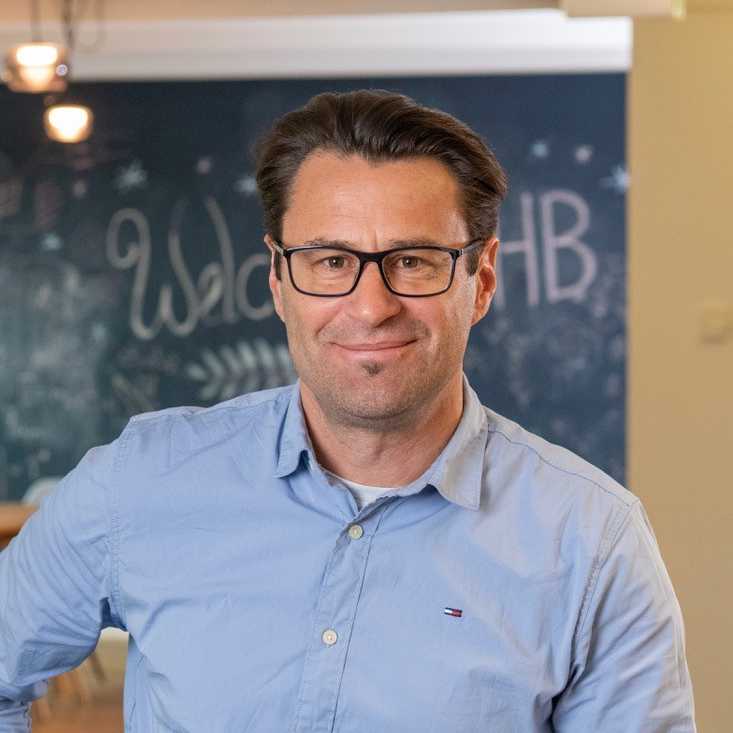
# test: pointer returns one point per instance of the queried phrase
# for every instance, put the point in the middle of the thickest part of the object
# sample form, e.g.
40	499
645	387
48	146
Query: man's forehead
354	164
413	200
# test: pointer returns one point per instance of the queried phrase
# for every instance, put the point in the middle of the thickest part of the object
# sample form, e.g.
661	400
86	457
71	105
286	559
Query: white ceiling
394	44
389	44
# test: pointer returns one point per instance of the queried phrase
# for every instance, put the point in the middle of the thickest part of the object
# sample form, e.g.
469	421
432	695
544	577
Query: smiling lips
378	346
376	350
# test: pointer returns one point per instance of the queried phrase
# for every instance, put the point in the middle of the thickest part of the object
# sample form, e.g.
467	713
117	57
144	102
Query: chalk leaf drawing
240	368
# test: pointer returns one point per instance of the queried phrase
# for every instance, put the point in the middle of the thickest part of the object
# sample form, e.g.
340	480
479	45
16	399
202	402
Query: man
370	549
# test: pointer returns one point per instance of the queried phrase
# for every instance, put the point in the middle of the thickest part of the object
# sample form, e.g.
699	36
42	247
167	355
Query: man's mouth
374	350
374	345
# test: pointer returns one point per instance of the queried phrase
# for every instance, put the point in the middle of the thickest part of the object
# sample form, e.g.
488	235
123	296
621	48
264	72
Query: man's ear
485	279
275	282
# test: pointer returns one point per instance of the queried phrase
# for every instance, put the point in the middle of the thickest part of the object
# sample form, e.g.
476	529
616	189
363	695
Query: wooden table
12	518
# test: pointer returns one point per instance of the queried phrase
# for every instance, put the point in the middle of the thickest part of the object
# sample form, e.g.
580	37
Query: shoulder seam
170	412
560	468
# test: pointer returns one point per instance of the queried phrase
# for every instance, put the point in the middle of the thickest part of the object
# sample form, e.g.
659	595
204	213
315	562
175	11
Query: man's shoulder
245	404
555	470
174	432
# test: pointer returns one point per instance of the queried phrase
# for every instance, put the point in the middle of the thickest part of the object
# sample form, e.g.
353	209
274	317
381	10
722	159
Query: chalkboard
133	274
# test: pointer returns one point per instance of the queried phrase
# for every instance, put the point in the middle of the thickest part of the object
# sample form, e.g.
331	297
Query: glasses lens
418	271
323	271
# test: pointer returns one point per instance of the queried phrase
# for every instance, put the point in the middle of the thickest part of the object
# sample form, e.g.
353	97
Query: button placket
334	621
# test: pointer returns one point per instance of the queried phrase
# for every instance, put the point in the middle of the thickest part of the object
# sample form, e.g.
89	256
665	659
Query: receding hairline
381	161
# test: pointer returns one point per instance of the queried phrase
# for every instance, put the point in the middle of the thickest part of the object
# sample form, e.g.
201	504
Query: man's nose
371	301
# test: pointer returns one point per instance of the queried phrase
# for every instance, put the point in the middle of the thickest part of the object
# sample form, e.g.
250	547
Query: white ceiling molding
340	46
632	8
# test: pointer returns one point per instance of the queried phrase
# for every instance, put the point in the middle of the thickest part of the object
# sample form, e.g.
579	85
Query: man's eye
410	263
334	263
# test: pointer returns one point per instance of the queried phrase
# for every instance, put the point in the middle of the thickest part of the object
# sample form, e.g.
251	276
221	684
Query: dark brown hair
379	126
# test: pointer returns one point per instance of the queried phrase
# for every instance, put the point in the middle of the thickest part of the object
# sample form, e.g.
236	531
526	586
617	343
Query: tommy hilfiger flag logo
453	612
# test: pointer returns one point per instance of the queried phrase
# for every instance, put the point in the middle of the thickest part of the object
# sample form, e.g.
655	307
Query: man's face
373	359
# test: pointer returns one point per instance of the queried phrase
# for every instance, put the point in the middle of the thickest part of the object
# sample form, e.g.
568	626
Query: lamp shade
36	68
68	123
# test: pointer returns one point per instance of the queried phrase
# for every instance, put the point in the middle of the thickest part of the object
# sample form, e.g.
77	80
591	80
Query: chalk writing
217	283
553	241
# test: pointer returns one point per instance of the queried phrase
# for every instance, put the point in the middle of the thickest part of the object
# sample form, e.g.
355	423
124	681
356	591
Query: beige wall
680	437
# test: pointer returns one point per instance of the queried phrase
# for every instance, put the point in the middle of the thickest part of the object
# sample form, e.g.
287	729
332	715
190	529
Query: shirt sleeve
632	676
56	587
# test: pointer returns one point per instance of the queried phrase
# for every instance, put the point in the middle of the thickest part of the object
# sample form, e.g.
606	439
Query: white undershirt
362	493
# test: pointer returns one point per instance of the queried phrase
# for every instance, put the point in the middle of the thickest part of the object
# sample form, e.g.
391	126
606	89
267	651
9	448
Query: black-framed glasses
413	272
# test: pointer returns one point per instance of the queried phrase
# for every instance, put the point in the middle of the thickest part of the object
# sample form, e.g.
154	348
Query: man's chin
372	416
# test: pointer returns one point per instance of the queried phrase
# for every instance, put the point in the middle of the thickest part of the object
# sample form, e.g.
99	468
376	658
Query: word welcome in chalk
218	283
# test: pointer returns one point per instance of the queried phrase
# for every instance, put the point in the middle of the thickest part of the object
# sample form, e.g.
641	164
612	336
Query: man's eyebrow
416	242
322	242
343	244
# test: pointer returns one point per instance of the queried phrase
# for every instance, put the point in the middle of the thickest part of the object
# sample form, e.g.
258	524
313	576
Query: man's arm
630	673
56	587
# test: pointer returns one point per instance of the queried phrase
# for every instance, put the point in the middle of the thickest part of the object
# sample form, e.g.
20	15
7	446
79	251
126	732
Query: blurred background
133	274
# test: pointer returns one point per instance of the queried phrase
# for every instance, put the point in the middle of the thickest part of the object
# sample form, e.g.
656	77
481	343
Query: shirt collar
457	473
294	439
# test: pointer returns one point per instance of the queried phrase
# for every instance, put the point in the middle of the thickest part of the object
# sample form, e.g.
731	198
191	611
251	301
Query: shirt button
355	531
329	637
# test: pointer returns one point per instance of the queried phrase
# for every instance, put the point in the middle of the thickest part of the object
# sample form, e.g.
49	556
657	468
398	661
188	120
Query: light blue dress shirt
512	588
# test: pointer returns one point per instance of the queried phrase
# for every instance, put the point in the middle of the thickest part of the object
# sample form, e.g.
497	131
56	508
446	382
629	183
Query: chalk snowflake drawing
246	185
204	165
583	154
618	181
539	149
241	368
51	242
131	177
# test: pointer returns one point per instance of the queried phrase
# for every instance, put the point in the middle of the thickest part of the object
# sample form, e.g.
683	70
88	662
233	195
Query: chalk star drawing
583	154
618	181
246	185
204	165
131	177
539	149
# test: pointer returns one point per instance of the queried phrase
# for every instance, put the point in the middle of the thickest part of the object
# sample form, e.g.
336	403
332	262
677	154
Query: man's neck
377	458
